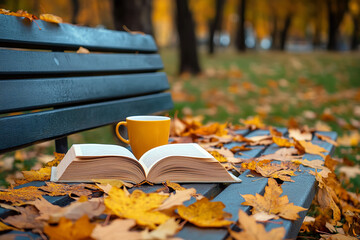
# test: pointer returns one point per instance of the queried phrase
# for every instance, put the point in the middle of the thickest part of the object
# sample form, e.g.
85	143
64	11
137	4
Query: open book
182	162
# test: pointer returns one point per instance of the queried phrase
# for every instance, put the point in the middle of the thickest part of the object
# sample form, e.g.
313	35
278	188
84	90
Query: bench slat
14	62
28	94
20	33
29	128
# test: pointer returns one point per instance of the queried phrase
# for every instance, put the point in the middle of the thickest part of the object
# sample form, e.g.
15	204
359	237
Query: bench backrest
59	92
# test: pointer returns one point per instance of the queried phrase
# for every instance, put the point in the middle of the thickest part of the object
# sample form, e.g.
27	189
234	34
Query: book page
154	155
95	150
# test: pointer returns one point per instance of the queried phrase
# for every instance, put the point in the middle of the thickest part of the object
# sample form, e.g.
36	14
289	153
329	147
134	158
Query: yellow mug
145	133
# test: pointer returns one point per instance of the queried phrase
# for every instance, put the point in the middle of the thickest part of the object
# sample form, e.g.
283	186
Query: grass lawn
314	89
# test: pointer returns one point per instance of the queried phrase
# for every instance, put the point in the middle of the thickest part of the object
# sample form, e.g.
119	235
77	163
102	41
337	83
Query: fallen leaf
240	148
177	199
253	122
327	139
107	184
177	127
298	135
174	186
313	148
204	213
282	142
51	18
337	236
117	229
21	195
272	203
43	174
46	209
350	172
325	198
56	189
56	161
165	231
4	227
26	219
255	231
83	50
138	205
264	217
67	230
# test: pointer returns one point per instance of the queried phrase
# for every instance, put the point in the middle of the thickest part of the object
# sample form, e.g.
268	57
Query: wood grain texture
29	94
27	63
21	33
21	130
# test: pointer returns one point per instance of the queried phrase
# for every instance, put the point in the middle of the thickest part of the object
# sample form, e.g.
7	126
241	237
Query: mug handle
118	134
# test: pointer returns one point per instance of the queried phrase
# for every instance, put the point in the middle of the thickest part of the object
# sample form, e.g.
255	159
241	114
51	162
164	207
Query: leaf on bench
204	213
272	203
253	230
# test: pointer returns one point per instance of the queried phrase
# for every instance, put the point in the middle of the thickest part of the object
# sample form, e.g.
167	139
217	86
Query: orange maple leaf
51	18
67	230
313	148
272	203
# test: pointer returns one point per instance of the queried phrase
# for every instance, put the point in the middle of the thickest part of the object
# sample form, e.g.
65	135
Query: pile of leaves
31	17
113	209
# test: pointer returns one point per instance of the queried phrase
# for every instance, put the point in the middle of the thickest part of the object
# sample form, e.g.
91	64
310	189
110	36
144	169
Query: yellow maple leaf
218	156
51	18
253	123
56	161
313	148
138	206
204	213
43	174
67	230
214	128
272	203
255	231
21	195
271	170
174	186
282	142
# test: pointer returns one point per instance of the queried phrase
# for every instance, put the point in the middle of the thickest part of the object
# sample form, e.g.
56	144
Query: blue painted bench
77	92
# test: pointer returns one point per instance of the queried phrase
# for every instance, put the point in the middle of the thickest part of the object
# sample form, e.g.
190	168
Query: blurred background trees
193	25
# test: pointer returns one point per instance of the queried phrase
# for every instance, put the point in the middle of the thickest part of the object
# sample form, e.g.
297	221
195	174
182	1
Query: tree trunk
135	15
274	34
187	41
285	31
336	11
240	33
75	12
355	35
215	25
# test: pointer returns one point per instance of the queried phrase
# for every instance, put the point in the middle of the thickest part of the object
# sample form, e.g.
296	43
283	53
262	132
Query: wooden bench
60	92
83	91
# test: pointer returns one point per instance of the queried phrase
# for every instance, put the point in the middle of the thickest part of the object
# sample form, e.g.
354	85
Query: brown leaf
272	203
204	213
56	161
174	186
4	227
55	189
67	230
326	139
26	219
255	231
117	229
83	50
46	209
